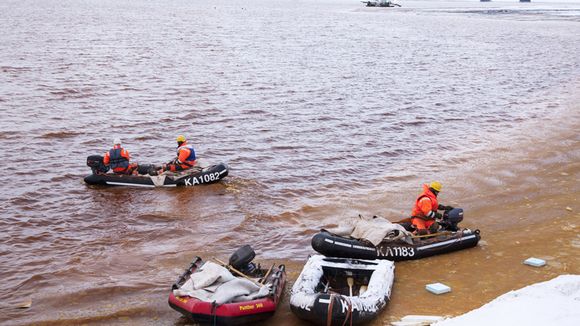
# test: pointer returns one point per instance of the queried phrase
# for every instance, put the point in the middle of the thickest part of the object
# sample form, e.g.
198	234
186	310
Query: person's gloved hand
438	215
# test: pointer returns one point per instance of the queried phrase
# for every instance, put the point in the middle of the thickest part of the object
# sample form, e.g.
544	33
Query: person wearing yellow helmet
185	159
424	214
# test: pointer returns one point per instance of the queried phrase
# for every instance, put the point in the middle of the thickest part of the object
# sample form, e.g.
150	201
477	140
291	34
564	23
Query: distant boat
380	3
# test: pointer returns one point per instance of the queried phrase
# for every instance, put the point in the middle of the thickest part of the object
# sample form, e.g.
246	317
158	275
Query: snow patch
554	302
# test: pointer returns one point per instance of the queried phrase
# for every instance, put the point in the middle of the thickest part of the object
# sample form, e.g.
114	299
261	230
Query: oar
237	271
431	234
405	220
350	282
266	276
363	289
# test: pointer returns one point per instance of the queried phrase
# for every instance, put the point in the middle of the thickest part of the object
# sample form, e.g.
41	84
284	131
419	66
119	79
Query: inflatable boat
342	291
239	311
192	177
449	238
333	245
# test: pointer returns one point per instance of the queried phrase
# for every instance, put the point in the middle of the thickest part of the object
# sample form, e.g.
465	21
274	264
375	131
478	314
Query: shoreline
526	190
517	183
526	204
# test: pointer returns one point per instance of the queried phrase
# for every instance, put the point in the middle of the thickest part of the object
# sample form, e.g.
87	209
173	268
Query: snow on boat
396	243
228	300
192	177
342	291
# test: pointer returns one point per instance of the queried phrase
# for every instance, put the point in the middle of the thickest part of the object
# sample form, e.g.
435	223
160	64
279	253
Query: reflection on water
323	109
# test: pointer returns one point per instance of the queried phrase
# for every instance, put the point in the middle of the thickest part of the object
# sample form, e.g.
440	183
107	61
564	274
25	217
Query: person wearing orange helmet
185	157
424	214
118	159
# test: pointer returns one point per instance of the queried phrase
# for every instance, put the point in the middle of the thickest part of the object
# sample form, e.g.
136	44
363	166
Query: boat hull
207	175
323	295
332	245
235	313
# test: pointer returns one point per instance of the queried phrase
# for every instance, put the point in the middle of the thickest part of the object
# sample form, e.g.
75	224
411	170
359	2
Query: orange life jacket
188	160
117	158
418	209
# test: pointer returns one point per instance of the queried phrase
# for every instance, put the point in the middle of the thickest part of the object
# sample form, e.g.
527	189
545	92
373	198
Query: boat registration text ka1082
205	178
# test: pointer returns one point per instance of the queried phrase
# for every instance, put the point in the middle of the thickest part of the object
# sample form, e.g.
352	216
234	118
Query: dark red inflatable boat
233	313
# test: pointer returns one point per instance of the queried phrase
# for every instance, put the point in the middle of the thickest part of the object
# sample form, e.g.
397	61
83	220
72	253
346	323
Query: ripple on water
315	128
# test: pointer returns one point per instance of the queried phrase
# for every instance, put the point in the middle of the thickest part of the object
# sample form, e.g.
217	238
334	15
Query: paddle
431	234
350	282
266	276
363	289
237	271
405	220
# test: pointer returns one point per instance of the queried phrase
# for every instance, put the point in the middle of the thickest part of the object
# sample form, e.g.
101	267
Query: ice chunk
422	318
536	262
438	288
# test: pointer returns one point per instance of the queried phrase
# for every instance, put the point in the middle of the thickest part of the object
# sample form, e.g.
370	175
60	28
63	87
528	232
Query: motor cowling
242	259
452	218
95	162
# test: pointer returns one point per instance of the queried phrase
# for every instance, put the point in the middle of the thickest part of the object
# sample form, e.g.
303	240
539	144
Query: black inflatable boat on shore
342	291
333	245
193	177
404	245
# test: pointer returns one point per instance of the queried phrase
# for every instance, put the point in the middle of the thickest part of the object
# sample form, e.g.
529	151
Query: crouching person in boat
185	157
425	213
117	158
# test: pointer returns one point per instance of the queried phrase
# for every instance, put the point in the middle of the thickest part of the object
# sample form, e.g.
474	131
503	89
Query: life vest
417	212
116	160
190	160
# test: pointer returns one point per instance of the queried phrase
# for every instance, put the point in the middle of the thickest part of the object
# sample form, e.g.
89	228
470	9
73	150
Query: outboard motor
451	219
95	162
242	260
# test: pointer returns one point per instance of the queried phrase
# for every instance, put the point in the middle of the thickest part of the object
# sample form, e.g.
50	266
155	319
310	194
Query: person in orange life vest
118	159
185	157
424	213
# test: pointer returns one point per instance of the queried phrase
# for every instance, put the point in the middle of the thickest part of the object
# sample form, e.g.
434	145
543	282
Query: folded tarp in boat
214	283
375	230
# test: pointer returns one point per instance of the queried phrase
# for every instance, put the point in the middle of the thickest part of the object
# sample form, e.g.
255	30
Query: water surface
322	109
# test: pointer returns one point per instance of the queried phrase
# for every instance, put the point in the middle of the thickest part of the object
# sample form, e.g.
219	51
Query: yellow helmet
180	139
436	185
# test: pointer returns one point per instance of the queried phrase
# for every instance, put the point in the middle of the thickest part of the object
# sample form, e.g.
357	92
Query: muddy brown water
323	110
